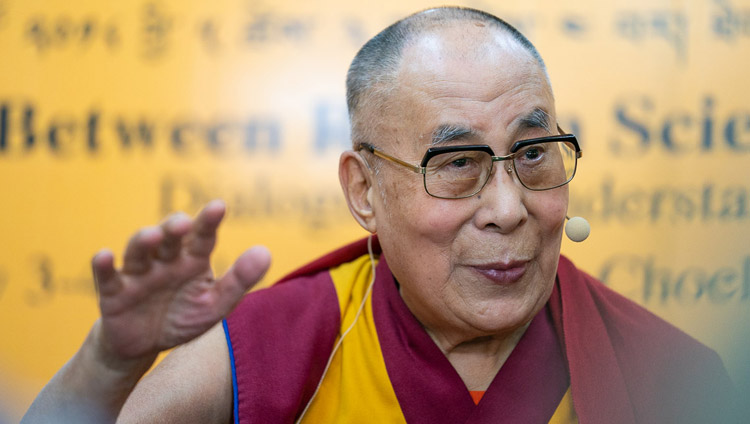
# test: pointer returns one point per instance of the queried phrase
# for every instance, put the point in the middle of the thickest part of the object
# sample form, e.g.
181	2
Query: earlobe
357	183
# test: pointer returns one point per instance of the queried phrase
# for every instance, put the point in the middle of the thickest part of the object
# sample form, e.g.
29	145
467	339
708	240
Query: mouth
502	273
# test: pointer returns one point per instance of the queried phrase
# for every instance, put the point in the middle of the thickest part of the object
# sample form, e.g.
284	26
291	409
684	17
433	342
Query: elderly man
460	310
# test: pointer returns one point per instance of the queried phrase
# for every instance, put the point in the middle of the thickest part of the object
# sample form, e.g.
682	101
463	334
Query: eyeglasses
457	172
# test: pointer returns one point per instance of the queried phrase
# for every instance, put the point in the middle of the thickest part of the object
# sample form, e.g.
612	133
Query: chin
506	318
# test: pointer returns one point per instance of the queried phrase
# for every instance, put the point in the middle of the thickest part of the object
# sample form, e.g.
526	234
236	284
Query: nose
501	204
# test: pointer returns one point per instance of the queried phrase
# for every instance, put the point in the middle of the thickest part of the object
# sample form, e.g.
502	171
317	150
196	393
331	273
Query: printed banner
114	114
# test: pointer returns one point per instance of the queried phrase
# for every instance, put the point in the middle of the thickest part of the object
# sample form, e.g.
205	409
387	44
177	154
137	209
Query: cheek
410	210
420	231
550	209
441	221
440	214
550	215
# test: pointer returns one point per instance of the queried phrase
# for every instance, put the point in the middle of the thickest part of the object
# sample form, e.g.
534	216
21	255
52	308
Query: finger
105	276
247	271
174	228
141	250
201	240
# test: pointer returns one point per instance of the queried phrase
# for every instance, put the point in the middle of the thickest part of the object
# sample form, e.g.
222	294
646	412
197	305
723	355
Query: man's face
483	265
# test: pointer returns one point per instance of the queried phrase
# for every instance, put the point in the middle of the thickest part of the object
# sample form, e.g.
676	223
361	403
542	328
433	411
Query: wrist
91	388
97	376
108	365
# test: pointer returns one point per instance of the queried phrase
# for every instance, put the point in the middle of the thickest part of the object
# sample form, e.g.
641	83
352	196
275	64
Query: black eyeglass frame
434	151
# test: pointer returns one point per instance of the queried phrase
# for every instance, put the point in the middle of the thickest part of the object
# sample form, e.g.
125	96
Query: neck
478	360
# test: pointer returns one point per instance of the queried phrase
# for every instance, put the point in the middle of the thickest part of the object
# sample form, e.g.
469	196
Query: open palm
165	293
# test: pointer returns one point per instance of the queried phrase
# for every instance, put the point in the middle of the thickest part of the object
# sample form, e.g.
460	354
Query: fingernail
103	253
150	232
178	219
216	203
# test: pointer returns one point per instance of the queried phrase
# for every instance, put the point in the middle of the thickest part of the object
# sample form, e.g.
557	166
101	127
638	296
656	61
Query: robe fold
589	356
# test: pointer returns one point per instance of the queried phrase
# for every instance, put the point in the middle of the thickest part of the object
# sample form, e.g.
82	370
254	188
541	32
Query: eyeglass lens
540	166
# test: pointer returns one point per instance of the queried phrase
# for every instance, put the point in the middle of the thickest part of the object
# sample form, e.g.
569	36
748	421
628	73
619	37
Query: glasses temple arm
372	149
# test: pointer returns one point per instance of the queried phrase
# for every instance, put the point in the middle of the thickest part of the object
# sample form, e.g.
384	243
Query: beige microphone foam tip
577	229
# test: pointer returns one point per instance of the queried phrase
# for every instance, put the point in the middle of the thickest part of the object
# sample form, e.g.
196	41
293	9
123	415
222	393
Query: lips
501	273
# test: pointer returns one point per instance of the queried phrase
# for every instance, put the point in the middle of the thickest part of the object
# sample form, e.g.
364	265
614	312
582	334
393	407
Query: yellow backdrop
113	114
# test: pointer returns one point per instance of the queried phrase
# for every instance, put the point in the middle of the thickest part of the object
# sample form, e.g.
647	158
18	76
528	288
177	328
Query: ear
357	184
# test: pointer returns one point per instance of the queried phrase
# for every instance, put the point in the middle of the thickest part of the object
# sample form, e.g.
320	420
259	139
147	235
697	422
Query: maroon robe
623	364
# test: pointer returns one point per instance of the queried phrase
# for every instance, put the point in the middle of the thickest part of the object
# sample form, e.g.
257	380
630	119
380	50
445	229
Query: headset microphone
577	229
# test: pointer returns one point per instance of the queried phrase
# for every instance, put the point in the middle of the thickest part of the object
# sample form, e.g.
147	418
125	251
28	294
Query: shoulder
626	321
298	316
306	299
280	338
284	304
667	373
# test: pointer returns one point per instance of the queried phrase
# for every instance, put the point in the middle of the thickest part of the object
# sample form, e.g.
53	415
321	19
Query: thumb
247	271
251	266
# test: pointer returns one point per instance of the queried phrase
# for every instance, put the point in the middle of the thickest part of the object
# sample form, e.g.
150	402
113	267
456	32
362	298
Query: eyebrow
449	132
538	118
445	133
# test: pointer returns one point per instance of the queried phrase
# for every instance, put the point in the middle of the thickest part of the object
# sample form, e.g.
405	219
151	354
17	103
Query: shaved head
372	75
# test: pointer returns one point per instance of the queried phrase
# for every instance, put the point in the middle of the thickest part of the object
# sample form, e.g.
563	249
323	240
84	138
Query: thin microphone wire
341	339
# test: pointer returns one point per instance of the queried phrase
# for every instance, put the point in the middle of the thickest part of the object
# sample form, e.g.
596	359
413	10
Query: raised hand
165	293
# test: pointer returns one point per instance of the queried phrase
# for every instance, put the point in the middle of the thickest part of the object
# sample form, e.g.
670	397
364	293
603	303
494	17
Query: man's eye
532	153
456	162
460	163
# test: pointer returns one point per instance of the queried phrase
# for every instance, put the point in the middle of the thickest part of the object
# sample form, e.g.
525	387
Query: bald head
372	75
